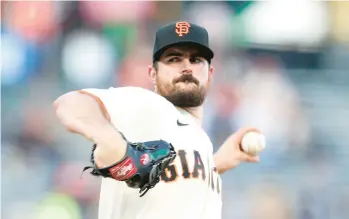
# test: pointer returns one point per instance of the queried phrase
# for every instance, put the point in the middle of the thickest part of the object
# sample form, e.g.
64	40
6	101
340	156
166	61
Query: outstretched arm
84	114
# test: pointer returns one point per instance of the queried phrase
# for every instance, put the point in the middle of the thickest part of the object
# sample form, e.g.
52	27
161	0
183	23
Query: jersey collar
185	117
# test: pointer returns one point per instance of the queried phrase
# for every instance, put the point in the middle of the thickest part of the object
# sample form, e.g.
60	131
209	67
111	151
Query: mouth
187	79
187	82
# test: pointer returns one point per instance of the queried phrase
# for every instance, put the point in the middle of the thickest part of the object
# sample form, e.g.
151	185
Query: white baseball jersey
190	188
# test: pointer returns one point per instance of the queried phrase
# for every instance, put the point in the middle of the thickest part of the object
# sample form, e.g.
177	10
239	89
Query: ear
152	74
210	73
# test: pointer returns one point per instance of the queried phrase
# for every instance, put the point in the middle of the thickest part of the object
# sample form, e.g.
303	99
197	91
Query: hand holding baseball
242	146
253	143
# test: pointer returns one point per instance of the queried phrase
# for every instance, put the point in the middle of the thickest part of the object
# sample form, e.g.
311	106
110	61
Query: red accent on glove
123	170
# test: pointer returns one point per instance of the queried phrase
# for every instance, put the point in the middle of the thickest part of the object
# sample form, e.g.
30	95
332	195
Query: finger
241	132
251	159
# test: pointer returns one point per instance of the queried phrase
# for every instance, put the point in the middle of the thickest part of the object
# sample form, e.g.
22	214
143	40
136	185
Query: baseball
253	143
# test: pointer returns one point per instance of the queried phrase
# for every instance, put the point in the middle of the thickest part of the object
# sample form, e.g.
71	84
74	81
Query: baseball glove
141	166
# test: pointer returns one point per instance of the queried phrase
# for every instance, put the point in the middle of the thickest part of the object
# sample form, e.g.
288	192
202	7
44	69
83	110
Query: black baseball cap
179	33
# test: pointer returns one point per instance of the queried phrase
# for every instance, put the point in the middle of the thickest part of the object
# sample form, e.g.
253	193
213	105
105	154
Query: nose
186	66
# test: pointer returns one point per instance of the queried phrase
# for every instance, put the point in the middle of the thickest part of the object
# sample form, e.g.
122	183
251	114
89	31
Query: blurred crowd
282	67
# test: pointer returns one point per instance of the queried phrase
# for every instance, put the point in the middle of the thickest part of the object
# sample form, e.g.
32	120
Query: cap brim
206	52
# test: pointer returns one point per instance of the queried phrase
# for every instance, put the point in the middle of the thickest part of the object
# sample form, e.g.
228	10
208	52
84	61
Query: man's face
182	76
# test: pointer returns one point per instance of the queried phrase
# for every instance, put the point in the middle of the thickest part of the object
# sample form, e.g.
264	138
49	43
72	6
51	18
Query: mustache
186	77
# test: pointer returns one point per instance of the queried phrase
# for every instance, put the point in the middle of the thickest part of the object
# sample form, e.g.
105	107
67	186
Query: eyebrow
174	54
195	54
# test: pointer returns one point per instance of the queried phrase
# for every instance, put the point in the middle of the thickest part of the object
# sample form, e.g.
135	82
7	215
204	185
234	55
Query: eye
174	59
196	60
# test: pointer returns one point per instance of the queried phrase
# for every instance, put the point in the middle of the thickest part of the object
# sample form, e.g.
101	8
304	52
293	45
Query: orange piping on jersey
99	101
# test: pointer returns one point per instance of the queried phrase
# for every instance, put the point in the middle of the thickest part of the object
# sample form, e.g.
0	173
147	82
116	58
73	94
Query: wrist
221	167
108	136
111	146
103	133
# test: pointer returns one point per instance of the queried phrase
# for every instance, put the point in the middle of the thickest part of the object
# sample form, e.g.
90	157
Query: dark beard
186	99
183	99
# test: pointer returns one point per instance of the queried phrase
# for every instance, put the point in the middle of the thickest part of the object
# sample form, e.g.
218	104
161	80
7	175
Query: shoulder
140	95
116	91
134	101
133	92
127	93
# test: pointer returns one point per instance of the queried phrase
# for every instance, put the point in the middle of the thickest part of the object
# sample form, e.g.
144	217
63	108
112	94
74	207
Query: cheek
165	79
162	83
203	75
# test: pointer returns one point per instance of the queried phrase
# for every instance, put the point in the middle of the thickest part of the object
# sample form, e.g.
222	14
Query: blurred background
280	65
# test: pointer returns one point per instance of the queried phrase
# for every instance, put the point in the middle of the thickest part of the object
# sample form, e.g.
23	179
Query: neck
196	112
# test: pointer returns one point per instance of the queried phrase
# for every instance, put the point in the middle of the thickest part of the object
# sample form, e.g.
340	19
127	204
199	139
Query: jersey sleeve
138	113
116	102
100	96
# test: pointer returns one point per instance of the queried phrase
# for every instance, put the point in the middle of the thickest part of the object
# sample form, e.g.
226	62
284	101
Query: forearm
82	115
220	166
226	157
111	147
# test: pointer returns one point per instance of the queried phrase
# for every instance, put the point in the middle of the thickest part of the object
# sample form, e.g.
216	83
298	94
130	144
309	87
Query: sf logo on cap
182	28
